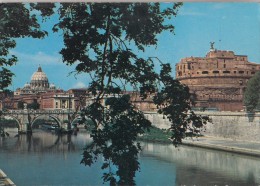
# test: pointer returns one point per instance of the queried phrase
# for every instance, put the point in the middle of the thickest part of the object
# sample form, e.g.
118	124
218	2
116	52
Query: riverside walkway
4	180
236	146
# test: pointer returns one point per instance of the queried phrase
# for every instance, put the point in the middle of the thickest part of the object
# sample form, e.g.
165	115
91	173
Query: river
46	159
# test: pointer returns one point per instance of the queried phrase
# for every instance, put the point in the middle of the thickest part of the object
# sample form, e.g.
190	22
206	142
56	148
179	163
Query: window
205	72
241	72
215	72
252	72
224	65
226	72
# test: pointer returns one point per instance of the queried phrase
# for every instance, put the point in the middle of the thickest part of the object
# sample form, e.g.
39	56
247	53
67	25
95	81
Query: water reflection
197	166
160	164
41	141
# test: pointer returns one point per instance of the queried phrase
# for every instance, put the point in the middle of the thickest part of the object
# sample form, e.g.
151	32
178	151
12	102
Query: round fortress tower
217	80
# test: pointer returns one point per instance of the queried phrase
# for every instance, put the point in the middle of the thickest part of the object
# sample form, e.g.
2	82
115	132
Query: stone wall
234	125
158	120
231	125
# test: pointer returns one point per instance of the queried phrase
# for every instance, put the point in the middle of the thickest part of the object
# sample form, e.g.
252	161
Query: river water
46	159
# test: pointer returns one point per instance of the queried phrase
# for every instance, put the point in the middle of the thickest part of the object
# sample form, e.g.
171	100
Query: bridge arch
75	118
18	123
87	120
56	119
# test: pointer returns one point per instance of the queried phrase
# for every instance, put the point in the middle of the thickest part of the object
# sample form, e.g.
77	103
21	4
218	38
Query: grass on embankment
156	135
160	135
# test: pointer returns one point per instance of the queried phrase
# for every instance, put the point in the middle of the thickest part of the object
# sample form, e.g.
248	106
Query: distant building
46	95
50	98
39	83
142	104
217	81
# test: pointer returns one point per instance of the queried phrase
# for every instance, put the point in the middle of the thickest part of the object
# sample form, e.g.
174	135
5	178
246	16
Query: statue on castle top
212	46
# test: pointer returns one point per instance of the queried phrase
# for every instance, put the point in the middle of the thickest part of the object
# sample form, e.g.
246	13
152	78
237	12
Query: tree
16	21
20	105
34	105
102	40
252	94
2	131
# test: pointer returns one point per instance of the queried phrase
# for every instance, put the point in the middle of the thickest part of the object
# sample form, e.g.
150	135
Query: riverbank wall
4	180
231	125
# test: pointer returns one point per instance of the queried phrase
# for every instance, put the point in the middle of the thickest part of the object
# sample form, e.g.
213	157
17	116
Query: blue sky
232	26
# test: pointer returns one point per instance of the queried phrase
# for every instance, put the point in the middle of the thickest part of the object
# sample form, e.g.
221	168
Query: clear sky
232	26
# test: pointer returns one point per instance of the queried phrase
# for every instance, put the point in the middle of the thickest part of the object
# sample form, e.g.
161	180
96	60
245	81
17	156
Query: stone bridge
26	118
22	118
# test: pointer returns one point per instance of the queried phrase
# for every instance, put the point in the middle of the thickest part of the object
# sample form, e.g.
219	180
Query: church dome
27	85
39	80
39	75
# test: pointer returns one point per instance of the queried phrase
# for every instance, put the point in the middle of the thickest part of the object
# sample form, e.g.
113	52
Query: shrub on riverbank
161	135
156	135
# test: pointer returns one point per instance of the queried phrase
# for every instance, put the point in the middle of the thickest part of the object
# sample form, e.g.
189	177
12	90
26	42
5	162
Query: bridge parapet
26	118
37	112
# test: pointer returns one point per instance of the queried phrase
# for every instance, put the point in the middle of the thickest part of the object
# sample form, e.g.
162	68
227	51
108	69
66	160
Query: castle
217	81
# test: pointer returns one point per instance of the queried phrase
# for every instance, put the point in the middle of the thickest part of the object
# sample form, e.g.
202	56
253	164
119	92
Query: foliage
20	105
15	22
174	102
102	39
6	93
2	131
34	105
252	94
115	139
156	135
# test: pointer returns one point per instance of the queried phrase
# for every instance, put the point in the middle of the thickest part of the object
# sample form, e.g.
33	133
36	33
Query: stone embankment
233	125
234	146
4	180
228	125
237	132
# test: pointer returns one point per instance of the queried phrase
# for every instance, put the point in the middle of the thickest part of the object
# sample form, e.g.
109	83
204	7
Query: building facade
40	91
48	97
217	81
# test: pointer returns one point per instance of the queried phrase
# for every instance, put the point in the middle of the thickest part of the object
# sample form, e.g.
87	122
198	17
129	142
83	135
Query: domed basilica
39	83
